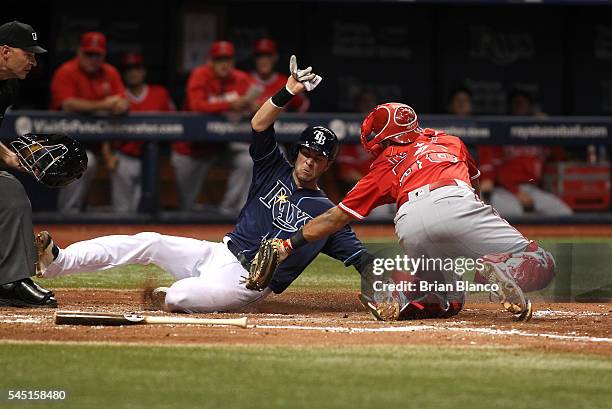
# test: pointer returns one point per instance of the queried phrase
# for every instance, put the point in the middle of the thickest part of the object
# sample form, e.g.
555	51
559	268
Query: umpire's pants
17	250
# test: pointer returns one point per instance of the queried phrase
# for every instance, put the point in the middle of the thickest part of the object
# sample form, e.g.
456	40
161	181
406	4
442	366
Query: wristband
297	240
281	98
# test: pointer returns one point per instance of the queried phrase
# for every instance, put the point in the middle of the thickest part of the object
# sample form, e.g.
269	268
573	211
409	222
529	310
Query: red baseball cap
132	60
220	49
93	42
265	46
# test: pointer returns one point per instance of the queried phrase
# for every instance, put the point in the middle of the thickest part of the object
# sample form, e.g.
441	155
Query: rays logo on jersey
285	215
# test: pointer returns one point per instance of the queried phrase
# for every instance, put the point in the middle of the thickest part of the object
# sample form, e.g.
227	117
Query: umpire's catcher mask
54	160
320	139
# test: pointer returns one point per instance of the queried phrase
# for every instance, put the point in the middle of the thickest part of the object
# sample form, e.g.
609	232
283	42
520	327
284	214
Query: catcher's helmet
54	160
320	139
394	121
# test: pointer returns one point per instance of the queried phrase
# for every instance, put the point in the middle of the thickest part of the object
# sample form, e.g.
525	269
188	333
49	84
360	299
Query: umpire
18	49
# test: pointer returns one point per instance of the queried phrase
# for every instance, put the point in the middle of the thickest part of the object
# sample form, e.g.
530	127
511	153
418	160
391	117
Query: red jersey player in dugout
433	180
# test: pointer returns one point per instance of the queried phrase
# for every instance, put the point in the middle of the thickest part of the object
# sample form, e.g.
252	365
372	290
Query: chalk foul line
416	328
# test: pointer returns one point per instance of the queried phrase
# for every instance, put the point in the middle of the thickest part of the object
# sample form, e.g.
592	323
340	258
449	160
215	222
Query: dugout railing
164	128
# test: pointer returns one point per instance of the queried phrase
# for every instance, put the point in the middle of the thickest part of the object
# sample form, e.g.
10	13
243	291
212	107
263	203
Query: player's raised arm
298	81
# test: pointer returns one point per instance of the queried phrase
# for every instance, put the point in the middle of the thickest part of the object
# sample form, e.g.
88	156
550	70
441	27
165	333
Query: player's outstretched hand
305	76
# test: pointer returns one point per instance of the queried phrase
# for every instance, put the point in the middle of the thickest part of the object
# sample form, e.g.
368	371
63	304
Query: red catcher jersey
299	103
154	98
399	169
207	93
70	81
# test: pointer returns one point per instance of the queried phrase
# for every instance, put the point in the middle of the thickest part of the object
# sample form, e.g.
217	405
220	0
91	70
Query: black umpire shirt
9	89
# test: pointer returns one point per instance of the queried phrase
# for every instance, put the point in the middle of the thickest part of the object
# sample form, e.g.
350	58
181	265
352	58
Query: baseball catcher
433	181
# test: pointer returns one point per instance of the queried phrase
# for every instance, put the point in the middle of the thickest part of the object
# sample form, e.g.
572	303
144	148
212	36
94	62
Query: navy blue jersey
277	208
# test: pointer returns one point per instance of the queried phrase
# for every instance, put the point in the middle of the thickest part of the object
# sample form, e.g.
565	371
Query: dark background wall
416	53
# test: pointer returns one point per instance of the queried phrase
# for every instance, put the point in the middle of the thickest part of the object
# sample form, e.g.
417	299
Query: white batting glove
306	76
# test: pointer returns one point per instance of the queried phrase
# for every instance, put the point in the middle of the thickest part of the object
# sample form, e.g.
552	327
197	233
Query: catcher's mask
54	160
320	139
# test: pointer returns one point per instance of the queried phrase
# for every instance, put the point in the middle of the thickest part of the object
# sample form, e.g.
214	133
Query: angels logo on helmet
391	121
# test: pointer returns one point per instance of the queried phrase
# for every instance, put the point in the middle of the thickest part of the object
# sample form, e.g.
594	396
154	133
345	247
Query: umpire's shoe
26	293
47	252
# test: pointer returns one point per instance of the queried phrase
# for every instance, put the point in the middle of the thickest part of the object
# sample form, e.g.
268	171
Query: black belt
239	255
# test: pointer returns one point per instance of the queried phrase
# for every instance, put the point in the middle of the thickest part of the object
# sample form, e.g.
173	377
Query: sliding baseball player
282	197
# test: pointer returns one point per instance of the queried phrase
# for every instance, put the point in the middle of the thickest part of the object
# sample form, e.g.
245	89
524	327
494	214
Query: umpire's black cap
19	35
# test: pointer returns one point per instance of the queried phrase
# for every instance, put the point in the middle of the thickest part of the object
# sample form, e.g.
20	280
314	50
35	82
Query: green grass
325	272
588	267
305	377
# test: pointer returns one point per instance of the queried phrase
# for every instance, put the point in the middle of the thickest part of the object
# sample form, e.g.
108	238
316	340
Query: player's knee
193	295
151	240
178	298
175	301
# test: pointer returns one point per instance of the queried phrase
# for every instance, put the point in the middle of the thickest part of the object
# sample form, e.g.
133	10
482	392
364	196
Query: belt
239	255
432	186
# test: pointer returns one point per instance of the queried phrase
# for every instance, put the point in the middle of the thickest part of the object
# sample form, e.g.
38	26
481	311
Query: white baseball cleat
45	253
509	294
158	298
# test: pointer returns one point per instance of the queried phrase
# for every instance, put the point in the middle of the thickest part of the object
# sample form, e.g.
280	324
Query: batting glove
306	76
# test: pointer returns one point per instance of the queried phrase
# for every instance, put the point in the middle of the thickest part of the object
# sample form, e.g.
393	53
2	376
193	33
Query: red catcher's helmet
394	121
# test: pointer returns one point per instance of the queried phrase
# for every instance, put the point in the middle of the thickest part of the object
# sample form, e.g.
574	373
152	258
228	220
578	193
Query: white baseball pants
209	277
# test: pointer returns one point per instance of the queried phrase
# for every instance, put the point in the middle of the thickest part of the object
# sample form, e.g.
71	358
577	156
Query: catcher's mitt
264	264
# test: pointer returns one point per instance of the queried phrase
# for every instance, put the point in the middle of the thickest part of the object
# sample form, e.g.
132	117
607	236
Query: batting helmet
320	139
391	121
54	160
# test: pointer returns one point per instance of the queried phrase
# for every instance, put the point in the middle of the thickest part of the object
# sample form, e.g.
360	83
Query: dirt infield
333	317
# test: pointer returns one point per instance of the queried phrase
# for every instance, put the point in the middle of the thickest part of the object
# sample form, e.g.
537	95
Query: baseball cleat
526	315
46	250
384	311
158	298
509	294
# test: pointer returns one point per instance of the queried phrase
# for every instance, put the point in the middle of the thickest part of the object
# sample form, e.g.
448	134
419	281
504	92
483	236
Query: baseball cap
220	49
19	35
93	42
132	60
265	46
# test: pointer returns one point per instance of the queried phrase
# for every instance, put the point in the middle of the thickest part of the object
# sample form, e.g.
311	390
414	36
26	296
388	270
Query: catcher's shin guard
532	269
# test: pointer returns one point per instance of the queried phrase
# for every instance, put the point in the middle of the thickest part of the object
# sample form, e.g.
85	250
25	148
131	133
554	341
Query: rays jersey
276	208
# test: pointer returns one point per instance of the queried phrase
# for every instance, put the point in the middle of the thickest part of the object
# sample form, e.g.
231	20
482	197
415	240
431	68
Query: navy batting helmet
54	160
320	139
